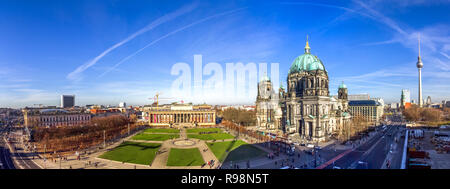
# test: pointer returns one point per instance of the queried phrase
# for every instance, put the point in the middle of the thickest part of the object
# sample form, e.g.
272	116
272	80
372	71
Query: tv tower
420	66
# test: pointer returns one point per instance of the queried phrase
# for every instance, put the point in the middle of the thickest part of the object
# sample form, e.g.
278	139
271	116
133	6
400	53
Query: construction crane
156	99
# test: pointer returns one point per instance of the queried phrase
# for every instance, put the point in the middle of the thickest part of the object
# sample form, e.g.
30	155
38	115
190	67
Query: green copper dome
306	62
265	78
342	86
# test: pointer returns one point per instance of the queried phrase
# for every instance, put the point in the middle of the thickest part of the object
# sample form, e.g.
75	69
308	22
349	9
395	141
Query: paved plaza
302	158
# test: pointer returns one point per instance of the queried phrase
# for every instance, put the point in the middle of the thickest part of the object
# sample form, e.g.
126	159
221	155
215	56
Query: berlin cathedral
305	111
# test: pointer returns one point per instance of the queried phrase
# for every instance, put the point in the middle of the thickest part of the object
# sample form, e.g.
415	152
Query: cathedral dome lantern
306	62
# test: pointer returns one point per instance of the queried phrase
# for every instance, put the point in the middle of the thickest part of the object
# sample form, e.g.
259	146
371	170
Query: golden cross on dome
307	48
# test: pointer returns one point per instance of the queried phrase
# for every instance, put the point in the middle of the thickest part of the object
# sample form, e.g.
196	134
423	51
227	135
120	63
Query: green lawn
237	150
185	157
197	130
133	152
161	130
154	137
213	136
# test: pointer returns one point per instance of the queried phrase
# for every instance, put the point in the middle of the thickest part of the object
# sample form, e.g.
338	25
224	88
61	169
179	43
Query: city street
373	153
12	155
5	157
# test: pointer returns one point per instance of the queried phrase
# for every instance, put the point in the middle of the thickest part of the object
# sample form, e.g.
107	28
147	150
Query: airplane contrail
169	34
161	20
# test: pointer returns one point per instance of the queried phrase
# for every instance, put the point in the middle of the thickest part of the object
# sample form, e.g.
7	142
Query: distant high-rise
67	101
420	66
122	104
429	100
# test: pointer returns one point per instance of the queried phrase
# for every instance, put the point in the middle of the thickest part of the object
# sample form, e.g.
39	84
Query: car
362	165
285	167
310	145
336	167
302	144
317	147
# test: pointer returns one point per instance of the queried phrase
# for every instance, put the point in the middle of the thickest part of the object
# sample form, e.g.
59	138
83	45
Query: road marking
6	159
334	159
9	146
23	160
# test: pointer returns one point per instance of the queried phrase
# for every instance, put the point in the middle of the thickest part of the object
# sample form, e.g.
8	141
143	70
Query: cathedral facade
268	110
308	112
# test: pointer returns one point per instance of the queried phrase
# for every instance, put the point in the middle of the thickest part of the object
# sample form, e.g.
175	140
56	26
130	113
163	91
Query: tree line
239	116
416	113
352	129
64	139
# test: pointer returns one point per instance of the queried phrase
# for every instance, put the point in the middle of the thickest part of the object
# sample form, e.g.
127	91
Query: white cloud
169	34
75	75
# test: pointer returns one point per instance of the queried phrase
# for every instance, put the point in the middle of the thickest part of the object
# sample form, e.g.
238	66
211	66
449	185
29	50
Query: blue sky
106	52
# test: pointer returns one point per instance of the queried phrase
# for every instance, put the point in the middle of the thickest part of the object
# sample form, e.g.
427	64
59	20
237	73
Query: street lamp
45	149
315	156
104	138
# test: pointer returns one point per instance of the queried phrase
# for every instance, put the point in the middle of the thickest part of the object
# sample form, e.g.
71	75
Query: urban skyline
241	84
369	47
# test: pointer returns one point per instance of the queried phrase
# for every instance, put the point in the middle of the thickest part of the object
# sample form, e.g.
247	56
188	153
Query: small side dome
342	86
265	78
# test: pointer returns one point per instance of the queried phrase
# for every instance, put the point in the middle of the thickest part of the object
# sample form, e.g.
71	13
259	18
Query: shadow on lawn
190	163
244	152
140	145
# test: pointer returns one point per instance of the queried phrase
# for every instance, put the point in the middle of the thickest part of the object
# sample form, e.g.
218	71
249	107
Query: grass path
155	137
133	152
185	157
212	136
161	130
